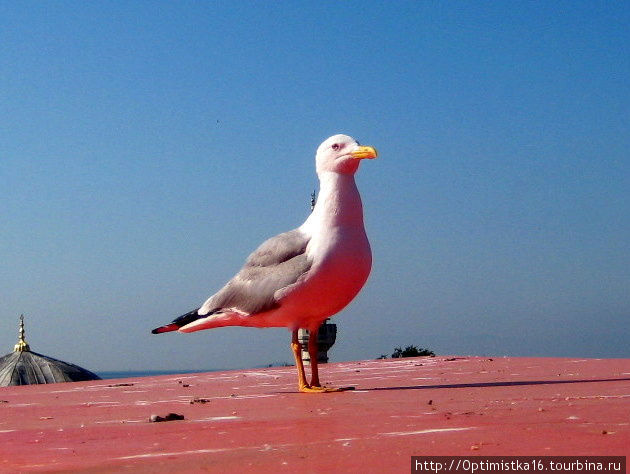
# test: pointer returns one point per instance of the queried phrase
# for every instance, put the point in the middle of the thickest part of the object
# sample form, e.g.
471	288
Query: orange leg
303	386
315	386
312	352
297	354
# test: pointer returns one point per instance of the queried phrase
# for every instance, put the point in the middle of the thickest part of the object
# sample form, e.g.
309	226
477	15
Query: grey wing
276	264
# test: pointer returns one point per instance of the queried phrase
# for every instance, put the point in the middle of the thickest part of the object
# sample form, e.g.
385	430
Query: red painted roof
255	420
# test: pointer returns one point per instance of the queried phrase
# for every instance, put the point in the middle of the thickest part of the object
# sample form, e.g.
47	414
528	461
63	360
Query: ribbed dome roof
24	367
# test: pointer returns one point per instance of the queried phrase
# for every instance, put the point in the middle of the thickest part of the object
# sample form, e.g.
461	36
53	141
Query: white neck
338	202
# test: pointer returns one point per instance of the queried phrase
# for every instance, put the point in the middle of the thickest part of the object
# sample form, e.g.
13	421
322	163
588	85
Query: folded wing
279	262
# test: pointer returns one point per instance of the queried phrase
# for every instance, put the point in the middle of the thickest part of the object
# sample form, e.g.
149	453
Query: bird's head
342	154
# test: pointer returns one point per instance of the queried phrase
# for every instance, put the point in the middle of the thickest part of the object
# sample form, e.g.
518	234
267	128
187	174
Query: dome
24	367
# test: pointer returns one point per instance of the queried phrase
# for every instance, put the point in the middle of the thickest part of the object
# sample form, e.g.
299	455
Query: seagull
299	278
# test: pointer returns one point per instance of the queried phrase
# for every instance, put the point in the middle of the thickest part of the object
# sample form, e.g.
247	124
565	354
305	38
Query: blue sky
146	148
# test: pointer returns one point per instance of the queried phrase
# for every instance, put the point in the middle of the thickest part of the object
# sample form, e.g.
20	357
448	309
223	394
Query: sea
148	373
125	374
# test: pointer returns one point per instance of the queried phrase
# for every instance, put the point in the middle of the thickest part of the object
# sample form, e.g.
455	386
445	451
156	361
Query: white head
341	154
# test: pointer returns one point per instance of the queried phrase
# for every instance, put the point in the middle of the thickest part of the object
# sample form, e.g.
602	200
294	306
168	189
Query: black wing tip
166	328
178	322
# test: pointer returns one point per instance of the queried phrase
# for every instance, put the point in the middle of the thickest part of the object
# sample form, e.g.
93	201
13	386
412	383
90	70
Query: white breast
339	250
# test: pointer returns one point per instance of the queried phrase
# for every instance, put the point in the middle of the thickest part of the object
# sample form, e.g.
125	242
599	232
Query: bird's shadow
506	383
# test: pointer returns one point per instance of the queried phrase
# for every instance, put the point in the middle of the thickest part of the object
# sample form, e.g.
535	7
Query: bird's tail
179	322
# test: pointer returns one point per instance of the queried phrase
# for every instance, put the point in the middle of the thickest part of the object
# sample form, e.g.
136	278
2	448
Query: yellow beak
362	152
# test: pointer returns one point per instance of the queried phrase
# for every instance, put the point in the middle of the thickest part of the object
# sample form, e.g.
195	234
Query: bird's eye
336	147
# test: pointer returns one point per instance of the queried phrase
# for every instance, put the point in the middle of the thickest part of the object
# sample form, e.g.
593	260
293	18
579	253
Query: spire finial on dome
22	345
